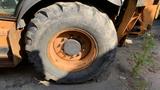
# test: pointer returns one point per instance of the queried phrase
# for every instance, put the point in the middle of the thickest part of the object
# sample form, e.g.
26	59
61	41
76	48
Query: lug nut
58	45
71	57
62	40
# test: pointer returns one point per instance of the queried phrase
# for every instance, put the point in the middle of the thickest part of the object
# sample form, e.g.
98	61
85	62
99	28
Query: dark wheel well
102	5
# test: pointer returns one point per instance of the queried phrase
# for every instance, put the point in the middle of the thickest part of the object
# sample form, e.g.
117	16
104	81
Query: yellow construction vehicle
69	41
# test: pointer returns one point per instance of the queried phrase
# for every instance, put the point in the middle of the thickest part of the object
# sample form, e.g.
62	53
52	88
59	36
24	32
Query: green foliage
145	56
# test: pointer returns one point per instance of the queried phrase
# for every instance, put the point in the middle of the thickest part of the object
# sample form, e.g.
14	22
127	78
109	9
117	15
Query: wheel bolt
62	40
71	57
58	45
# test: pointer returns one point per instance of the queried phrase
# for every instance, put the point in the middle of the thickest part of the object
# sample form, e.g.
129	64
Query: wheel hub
72	47
72	50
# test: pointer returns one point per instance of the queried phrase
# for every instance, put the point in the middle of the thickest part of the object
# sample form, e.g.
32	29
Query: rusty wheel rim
72	50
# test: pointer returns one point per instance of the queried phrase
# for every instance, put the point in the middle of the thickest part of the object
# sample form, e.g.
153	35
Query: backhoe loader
70	41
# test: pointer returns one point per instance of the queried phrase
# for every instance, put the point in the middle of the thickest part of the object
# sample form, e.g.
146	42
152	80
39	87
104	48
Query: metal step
4	52
5	58
4	64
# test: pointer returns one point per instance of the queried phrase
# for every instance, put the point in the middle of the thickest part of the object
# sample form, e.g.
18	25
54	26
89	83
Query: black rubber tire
49	21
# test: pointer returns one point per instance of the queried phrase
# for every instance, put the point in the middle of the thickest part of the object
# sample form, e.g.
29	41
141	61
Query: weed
145	56
142	59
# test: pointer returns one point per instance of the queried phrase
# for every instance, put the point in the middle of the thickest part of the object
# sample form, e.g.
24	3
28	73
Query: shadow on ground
23	78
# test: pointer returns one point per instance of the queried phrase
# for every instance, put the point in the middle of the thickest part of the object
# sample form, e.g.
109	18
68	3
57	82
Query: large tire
50	20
